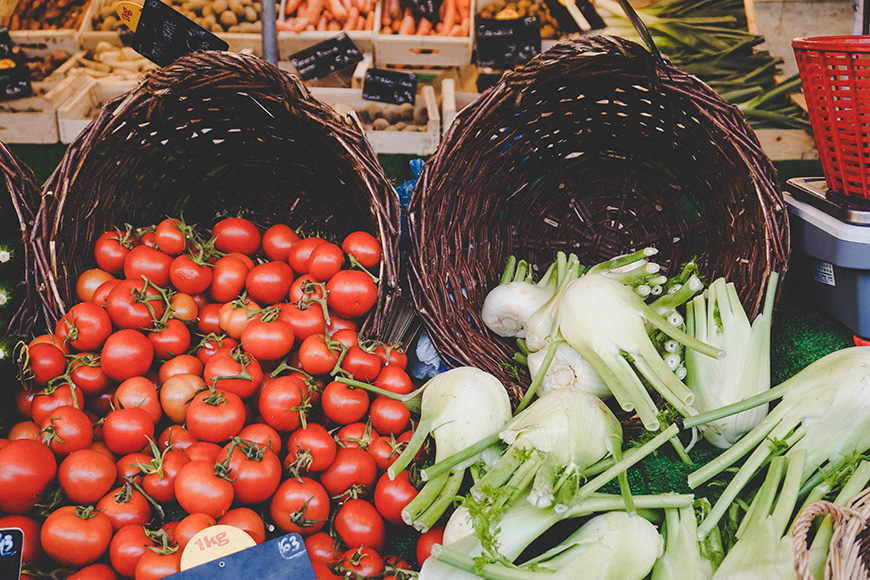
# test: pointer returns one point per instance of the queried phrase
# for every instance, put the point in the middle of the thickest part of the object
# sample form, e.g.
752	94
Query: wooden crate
453	101
76	112
424	51
44	41
345	101
787	144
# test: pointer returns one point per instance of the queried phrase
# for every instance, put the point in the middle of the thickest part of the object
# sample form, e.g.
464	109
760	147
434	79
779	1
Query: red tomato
306	290
26	468
300	253
310	449
31	550
171	236
325	260
391	356
138	392
228	279
394	379
305	321
352	468
262	434
85	327
267	340
111	249
277	240
24	404
282	402
344	404
88	282
171	341
86	476
159	483
215	417
351	293
128	430
363	366
269	282
190	276
389	416
176	436
364	247
203	451
425	542
199	490
357	435
47	361
358	523
317	356
76	536
149	262
384	451
176	392
234	316
208	321
235	234
23	430
392	495
322	548
127	353
246	520
300	505
65	430
255	471
128	545
51	339
87	374
184	307
155	565
364	561
101	294
46	401
125	506
338	323
183	364
211	346
98	571
190	526
233	371
130	466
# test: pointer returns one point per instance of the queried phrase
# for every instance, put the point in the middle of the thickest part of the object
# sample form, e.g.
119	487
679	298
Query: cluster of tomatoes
210	379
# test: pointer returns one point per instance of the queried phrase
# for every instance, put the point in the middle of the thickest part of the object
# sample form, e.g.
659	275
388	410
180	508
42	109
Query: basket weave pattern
596	148
215	134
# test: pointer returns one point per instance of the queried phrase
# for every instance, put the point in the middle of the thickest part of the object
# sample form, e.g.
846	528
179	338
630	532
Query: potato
217	28
219	6
237	8
375	112
208	21
250	26
251	14
391	115
380	124
228	18
406	112
109	24
421	116
401	126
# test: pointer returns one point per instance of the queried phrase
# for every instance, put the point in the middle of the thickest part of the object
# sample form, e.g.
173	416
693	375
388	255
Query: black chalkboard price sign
15	82
390	86
327	57
164	34
6	43
11	548
427	9
505	44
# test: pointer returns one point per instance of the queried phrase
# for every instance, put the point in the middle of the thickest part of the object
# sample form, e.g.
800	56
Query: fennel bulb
684	558
560	433
507	308
824	411
721	321
604	321
567	370
458	408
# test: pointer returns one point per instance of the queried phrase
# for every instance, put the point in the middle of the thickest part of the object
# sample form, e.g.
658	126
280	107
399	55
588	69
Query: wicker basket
595	147
214	134
848	558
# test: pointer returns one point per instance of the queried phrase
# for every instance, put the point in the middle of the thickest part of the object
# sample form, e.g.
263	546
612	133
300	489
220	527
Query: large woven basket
214	134
595	147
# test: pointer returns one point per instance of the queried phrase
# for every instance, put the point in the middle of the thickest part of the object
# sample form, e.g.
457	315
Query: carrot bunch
326	15
454	19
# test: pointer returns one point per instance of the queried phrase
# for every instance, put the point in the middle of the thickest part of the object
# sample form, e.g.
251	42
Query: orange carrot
408	25
291	6
370	21
321	24
339	12
284	25
352	19
449	17
395	26
395	9
425	27
333	26
466	22
464	9
439	28
456	30
366	6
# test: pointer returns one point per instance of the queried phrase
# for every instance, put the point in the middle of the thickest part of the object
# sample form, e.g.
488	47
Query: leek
721	321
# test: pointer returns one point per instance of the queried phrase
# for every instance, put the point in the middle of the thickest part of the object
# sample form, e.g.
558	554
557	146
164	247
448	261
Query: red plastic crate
835	73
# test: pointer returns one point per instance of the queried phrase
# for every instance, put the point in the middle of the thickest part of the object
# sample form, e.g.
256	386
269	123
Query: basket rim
842	43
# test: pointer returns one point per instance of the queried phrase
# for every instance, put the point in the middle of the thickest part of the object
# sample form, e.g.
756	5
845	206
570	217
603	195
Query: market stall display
592	148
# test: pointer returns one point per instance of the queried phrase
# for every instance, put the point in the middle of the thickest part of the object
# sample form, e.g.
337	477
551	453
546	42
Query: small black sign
15	82
505	44
6	43
567	22
427	9
11	548
164	34
327	57
390	86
